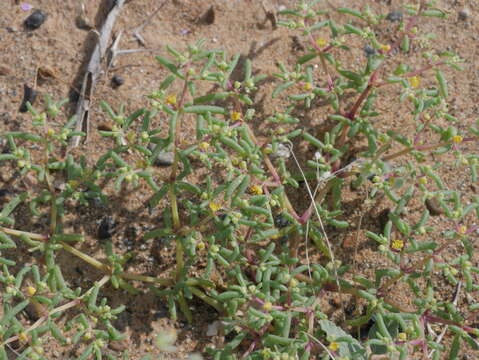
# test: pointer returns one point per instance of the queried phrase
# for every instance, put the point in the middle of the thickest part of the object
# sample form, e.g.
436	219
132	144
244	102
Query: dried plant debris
29	95
81	21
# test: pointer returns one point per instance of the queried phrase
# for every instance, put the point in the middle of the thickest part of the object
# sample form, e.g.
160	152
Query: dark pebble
369	50
208	17
117	81
29	95
128	243
464	14
394	16
35	20
280	221
106	228
165	158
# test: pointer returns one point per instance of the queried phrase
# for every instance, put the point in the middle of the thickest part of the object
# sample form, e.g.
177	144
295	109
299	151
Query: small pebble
35	20
369	50
434	207
280	221
4	70
208	17
282	151
29	95
118	345
394	16
117	81
464	14
164	158
106	228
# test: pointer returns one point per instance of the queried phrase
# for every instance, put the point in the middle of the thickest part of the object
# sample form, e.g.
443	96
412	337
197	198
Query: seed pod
35	20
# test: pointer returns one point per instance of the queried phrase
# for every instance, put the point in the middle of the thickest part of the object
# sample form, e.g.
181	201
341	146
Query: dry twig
93	72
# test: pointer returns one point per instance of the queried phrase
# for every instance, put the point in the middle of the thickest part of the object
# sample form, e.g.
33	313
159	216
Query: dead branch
93	72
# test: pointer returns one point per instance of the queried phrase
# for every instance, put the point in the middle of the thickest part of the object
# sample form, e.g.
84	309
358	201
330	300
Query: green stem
32	236
210	301
184	307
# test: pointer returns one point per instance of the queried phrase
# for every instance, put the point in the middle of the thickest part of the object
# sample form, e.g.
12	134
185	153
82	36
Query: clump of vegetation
240	221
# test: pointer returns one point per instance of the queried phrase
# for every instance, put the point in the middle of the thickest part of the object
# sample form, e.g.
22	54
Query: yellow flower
50	132
204	146
73	183
423	180
201	245
321	42
235	116
307	86
402	336
267	306
397	244
31	291
457	139
171	99
215	206
334	346
23	337
414	81
462	229
257	190
385	47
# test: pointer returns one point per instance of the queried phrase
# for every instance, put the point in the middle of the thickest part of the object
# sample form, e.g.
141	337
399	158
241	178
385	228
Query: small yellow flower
423	180
204	146
31	291
462	229
414	81
385	47
235	116
334	346
171	99
215	206
397	244
307	86
201	245
50	132
267	306
321	42
402	336
256	189
457	139
73	183
23	337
